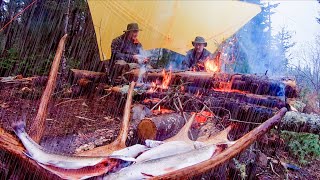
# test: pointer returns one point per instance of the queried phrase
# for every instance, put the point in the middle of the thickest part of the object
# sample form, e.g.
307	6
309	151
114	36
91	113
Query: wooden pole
38	126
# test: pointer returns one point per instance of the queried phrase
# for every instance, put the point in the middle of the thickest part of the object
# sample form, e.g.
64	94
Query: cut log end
160	127
147	129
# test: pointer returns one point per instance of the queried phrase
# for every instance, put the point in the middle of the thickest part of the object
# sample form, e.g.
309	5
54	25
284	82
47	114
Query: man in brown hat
126	48
196	57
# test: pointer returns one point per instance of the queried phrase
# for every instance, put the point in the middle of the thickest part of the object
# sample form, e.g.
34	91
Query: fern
304	146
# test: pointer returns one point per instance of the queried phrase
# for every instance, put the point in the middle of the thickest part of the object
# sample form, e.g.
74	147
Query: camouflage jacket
191	60
124	49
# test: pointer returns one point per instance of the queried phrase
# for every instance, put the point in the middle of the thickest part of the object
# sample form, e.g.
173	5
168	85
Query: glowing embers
203	116
162	110
227	87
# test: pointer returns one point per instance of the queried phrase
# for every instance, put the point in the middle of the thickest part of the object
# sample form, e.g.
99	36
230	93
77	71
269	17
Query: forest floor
77	124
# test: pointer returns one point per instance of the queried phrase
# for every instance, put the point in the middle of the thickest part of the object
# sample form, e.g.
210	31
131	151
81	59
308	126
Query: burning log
160	127
38	126
226	82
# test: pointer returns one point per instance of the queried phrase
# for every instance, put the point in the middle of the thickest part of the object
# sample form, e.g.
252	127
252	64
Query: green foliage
305	146
241	168
165	58
73	63
8	62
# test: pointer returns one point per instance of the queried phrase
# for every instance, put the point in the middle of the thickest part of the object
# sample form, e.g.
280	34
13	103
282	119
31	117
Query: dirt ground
75	124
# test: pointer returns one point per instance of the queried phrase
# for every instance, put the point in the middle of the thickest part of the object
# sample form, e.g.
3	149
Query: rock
85	147
262	159
139	112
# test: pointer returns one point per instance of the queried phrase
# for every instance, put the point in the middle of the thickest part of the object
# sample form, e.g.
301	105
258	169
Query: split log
301	122
120	142
240	145
160	127
38	126
18	164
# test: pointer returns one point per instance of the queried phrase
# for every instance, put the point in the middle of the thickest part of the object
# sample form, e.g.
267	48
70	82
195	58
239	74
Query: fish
131	151
152	143
161	166
165	149
63	163
109	165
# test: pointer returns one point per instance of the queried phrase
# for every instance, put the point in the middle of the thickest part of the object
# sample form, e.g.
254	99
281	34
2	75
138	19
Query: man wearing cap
125	48
195	57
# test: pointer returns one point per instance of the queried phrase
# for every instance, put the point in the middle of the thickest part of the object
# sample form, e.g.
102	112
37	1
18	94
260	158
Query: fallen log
77	74
227	154
38	126
301	122
160	127
18	164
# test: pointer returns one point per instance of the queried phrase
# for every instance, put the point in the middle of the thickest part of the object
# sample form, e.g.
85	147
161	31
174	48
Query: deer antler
119	143
227	154
38	126
183	133
221	137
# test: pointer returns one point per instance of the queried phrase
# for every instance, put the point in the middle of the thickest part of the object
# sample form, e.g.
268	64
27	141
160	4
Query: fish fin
19	127
27	154
124	158
145	174
169	169
152	143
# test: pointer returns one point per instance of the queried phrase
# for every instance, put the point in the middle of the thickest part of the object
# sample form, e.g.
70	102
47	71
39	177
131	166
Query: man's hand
135	57
140	59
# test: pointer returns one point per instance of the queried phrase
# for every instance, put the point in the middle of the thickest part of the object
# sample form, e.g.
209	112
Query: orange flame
203	117
210	66
162	110
166	79
153	87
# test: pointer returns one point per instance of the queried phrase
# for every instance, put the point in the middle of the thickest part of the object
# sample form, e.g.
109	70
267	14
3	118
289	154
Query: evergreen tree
254	41
318	19
282	42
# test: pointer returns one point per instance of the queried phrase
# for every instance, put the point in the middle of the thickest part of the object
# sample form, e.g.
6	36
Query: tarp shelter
169	24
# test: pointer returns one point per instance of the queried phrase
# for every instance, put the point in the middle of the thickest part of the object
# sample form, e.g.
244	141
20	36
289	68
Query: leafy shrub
305	146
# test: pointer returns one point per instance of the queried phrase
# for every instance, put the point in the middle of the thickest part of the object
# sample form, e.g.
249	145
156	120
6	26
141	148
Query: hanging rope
17	15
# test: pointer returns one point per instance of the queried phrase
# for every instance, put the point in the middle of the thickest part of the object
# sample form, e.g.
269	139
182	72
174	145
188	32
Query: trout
165	165
131	151
63	163
165	149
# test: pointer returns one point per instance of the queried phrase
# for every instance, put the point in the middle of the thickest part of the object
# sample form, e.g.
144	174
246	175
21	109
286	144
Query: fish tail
19	127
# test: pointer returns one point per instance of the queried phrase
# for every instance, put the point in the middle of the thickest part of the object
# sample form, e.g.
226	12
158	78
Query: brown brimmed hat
199	40
132	27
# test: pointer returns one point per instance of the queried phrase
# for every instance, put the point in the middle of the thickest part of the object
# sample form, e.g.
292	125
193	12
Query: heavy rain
93	89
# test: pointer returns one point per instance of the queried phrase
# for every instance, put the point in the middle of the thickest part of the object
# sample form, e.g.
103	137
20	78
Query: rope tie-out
7	24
